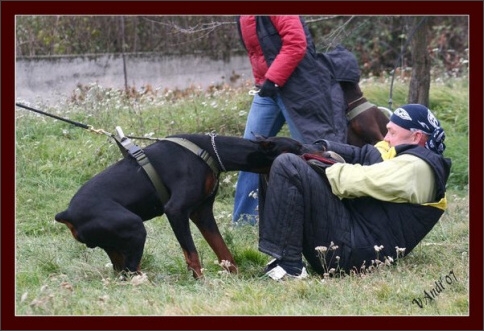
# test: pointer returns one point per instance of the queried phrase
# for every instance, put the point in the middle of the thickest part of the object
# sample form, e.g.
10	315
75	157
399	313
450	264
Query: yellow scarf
388	153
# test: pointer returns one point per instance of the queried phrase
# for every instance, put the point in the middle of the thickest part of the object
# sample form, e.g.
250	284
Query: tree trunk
419	88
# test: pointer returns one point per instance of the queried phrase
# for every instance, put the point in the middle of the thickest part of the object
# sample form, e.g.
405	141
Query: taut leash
78	124
82	125
126	146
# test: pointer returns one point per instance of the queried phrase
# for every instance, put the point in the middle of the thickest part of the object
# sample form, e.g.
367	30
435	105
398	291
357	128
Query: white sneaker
278	273
304	274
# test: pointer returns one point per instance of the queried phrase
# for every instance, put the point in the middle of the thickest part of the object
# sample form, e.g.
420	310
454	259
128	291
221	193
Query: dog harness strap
153	175
203	154
128	147
358	110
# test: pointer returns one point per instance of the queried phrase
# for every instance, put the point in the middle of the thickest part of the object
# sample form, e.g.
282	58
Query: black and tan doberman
108	211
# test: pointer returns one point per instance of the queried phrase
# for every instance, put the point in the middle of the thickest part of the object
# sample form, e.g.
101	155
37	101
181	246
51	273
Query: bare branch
314	19
200	27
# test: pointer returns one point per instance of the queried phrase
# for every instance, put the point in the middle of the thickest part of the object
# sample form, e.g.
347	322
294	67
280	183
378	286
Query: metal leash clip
254	91
120	133
98	131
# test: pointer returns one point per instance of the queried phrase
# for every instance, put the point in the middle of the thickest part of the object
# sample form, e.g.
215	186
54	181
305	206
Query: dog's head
278	145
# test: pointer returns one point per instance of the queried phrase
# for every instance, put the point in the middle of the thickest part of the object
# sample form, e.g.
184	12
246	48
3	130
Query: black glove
268	89
320	144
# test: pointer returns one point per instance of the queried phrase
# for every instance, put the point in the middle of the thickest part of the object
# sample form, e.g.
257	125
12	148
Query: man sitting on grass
385	197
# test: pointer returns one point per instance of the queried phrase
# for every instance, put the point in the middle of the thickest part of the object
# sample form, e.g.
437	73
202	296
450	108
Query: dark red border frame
474	9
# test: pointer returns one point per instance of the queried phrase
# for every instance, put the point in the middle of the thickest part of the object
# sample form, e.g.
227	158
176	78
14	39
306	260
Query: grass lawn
57	276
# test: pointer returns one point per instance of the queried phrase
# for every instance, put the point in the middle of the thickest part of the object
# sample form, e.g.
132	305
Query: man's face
397	135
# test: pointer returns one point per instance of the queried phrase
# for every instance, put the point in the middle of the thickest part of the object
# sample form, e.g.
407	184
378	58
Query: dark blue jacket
307	93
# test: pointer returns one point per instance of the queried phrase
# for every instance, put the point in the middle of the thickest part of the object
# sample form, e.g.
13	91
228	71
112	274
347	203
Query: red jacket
292	52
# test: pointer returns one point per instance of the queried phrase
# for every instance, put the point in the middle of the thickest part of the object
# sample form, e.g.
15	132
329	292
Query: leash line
126	146
84	126
78	124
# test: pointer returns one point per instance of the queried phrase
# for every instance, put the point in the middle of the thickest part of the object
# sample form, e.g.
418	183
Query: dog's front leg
179	223
193	263
205	221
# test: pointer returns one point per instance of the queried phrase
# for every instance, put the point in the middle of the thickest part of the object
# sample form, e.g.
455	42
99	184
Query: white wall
53	78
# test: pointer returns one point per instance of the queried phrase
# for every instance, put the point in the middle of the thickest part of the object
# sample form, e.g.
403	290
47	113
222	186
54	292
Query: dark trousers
298	212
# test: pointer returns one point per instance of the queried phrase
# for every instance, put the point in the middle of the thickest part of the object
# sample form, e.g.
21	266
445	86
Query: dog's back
236	153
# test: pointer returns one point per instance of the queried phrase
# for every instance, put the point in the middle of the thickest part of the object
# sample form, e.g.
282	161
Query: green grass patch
55	275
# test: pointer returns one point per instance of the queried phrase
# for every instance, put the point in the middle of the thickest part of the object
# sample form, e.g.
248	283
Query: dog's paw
227	266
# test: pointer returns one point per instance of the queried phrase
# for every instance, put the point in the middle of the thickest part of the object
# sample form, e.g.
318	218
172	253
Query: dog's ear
258	137
266	144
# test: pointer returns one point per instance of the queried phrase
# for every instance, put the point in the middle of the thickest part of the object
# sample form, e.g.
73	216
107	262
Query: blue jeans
266	117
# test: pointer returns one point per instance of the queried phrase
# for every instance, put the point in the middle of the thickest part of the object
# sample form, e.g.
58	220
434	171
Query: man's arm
405	178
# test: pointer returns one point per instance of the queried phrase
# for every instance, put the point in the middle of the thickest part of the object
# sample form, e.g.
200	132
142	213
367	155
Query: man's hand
320	162
320	144
268	89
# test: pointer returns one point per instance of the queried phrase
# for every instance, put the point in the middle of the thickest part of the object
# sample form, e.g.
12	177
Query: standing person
383	198
294	88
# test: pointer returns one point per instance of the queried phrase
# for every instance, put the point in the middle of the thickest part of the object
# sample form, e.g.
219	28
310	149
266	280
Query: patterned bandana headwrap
419	117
